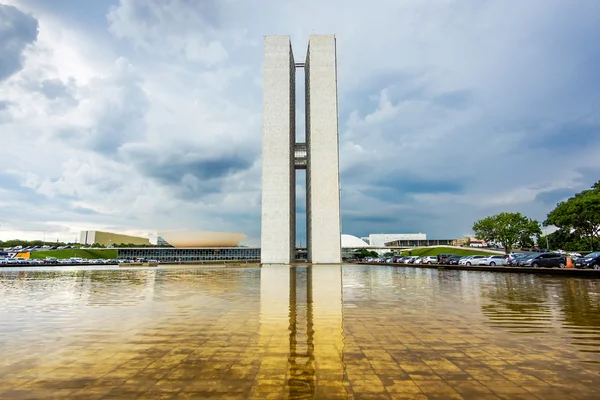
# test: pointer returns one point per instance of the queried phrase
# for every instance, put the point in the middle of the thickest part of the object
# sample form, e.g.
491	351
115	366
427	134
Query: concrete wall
323	178
278	223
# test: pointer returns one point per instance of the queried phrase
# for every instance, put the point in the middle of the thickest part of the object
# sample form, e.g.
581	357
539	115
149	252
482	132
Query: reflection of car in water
592	260
546	260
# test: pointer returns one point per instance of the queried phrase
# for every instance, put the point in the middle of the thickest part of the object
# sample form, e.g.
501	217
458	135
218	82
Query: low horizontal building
109	238
421	243
190	255
380	239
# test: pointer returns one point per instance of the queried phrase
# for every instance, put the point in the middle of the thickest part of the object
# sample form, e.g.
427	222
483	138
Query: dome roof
349	241
202	238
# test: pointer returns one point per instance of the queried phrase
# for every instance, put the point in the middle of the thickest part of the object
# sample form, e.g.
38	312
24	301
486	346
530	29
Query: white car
429	260
474	260
463	261
492	260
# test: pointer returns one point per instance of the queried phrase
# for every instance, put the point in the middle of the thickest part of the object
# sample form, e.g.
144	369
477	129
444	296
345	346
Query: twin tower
282	155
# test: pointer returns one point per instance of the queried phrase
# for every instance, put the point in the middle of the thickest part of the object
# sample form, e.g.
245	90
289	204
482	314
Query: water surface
280	332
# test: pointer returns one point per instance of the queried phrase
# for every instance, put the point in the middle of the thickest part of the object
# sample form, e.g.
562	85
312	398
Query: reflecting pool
332	332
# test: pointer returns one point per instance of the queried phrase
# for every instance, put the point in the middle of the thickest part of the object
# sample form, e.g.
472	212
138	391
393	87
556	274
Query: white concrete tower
282	155
323	172
278	229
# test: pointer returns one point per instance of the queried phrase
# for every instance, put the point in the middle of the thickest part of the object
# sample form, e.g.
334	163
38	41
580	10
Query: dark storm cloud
552	197
400	187
568	136
203	169
17	30
365	96
589	176
191	175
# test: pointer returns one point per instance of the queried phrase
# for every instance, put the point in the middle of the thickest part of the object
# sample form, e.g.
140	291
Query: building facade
198	254
282	156
420	243
380	239
109	238
190	255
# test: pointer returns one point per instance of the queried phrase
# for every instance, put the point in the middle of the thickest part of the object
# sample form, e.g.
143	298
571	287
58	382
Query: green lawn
434	251
80	253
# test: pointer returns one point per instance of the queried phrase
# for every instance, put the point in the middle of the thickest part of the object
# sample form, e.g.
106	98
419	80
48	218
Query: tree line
577	220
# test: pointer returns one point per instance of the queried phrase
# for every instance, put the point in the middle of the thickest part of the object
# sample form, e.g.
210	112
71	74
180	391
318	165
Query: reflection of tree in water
301	364
517	303
579	300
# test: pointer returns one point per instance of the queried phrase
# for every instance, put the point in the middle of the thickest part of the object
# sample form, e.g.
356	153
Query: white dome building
352	242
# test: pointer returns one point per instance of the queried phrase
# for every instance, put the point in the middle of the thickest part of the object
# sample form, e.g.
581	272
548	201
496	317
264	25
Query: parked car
429	260
521	261
513	259
592	260
443	258
463	260
453	260
546	260
492	260
474	260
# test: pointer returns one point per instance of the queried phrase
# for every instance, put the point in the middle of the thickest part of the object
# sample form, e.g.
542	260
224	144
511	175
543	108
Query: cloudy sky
144	115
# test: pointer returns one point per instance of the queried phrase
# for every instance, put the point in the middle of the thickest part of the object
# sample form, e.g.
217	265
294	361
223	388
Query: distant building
110	239
192	239
477	243
352	242
380	239
162	242
365	239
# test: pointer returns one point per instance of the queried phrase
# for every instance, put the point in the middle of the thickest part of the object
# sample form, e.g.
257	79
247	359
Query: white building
380	239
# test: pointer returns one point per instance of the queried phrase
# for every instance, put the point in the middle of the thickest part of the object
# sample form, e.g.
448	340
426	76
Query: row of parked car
541	260
54	261
404	260
21	249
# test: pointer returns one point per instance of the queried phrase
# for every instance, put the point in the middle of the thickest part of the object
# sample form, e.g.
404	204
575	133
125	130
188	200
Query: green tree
363	253
565	240
508	229
580	215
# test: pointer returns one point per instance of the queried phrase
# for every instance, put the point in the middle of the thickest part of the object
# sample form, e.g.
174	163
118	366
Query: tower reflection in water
301	331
